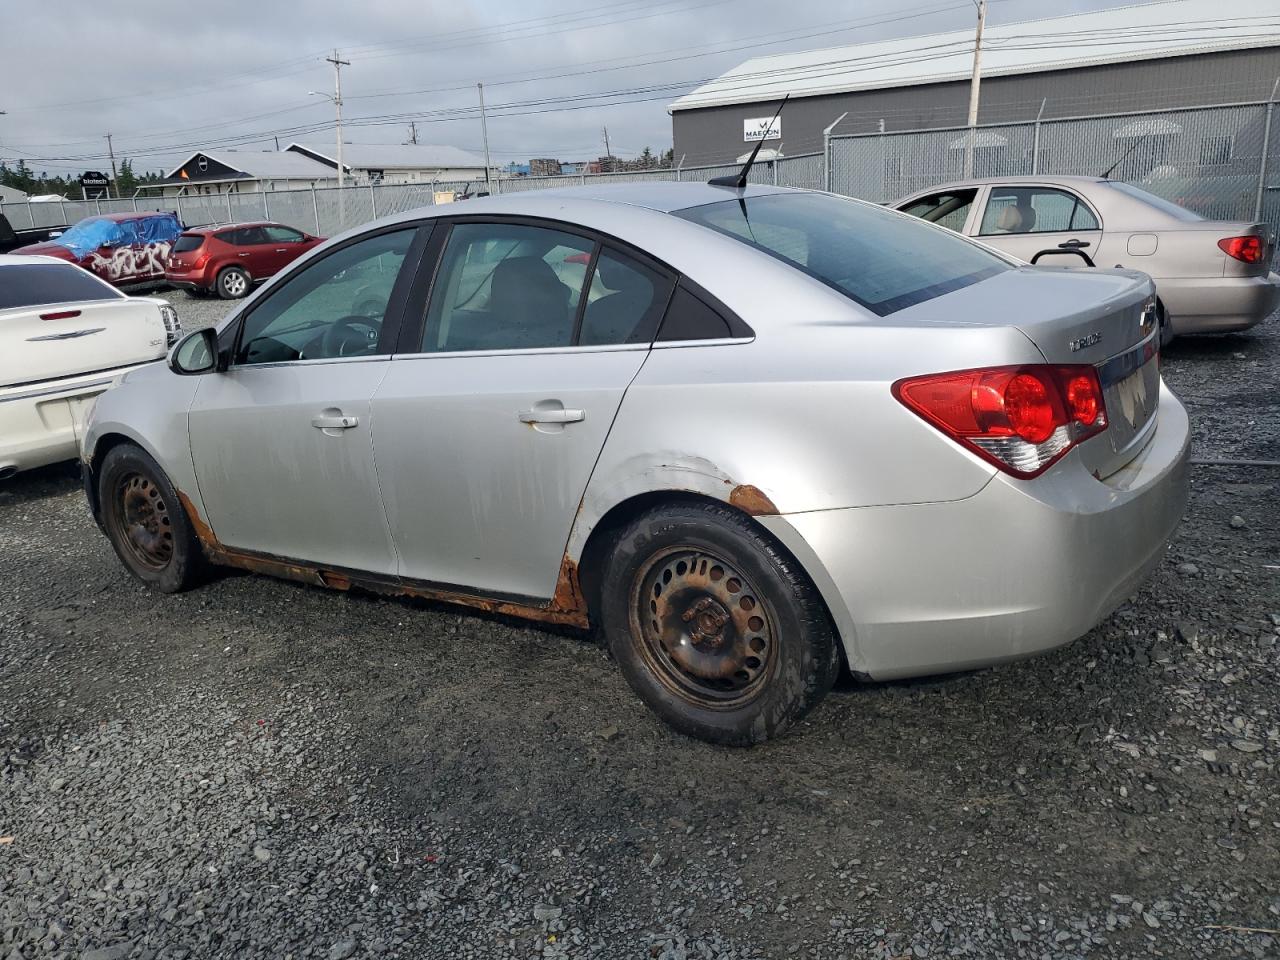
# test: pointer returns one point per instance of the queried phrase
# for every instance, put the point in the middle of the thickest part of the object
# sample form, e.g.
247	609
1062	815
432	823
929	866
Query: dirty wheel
714	625
145	521
232	283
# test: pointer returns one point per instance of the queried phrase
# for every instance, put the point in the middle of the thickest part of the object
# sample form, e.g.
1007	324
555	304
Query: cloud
164	80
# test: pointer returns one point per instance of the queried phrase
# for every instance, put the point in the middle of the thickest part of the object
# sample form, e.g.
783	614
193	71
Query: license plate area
1131	389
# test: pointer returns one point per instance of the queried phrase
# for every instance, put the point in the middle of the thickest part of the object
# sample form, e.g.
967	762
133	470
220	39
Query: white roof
1165	28
11	194
264	165
394	156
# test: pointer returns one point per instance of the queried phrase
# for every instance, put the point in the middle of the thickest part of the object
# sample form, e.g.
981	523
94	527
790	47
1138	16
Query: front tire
715	627
146	523
232	283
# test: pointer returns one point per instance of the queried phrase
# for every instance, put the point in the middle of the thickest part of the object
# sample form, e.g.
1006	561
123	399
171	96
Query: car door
281	246
493	414
1024	220
281	440
254	251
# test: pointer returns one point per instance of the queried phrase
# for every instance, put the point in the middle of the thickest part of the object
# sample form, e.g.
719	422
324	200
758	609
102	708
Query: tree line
21	177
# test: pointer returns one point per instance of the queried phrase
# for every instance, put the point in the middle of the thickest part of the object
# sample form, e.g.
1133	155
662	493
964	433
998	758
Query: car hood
46	249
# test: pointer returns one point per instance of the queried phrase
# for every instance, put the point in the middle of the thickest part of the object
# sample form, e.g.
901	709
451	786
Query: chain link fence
1222	162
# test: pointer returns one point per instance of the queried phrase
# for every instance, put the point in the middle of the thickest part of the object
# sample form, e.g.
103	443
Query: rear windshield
188	242
38	284
879	259
1160	203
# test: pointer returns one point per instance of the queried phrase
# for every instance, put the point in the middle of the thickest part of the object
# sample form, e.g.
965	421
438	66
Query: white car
65	337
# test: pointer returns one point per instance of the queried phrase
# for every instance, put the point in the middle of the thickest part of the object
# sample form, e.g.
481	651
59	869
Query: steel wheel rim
142	521
234	283
702	628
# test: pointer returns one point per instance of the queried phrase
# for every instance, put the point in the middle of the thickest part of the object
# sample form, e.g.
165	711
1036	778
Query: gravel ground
263	769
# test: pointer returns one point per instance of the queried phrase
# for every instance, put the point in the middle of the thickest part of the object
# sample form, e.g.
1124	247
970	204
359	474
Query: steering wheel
348	336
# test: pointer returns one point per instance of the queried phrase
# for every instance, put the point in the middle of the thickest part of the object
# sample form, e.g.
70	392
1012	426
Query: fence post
315	208
1035	139
177	201
373	200
583	178
134	198
1266	150
97	205
230	218
266	207
826	152
62	205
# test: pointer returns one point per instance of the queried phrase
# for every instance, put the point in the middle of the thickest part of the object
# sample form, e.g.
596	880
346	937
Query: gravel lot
263	769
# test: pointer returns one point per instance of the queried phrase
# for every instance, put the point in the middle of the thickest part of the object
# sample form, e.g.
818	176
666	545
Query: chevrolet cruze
754	435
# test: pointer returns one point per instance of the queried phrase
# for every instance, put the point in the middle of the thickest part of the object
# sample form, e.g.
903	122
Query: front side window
503	286
333	307
276	234
876	257
949	209
1034	210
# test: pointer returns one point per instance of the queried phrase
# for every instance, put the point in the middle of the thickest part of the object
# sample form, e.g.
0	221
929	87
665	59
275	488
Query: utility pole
338	64
413	132
484	132
975	84
608	154
112	154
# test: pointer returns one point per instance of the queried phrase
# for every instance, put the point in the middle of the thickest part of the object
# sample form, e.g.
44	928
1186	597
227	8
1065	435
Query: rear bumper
1218	304
1019	568
43	423
194	280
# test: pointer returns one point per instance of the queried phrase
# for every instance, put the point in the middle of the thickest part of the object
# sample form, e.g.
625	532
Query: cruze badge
1088	340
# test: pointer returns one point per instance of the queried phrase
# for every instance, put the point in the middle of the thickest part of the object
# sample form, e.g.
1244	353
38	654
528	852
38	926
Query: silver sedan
1212	276
756	436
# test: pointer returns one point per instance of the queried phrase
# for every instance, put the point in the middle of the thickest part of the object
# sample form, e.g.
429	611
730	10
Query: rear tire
715	627
232	283
146	523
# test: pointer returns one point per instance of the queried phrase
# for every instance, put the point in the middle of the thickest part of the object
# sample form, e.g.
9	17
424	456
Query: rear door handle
334	422
1073	244
242	254
560	415
282	249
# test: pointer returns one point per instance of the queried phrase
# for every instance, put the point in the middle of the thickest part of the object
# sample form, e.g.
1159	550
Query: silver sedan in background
1212	276
752	434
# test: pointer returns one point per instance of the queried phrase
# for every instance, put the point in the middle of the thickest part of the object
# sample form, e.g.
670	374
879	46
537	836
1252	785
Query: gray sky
166	79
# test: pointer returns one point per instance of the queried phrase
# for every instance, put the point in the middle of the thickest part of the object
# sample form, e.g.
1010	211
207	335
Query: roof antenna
1125	156
739	181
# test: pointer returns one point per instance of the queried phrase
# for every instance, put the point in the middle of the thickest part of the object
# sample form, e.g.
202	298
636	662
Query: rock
1237	522
1150	920
115	952
1188	632
1246	746
342	949
262	854
1188	569
57	783
1208	756
545	911
608	733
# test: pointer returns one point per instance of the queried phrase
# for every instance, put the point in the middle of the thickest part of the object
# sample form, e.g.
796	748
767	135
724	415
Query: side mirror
196	353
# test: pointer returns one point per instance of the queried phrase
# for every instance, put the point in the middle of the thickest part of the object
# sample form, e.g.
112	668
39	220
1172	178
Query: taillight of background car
1248	249
1022	419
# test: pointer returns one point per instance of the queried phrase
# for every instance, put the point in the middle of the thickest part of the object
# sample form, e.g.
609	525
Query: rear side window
878	258
188	242
38	284
689	318
624	303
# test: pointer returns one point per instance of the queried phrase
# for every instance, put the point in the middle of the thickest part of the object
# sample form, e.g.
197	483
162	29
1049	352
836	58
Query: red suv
230	258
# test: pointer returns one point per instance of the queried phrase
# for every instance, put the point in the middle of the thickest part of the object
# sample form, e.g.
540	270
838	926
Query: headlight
172	328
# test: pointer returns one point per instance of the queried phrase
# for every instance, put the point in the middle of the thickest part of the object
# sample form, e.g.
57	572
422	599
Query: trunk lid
1103	318
44	343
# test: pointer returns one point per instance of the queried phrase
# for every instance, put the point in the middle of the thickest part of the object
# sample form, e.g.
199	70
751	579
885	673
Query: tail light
1022	419
1245	249
172	328
200	261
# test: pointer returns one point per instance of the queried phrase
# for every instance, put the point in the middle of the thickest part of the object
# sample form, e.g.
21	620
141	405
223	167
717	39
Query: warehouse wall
714	134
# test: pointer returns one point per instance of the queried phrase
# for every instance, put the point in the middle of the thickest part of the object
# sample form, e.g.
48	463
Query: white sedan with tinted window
65	337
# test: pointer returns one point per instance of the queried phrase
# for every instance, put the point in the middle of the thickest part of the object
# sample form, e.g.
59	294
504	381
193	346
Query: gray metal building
1145	57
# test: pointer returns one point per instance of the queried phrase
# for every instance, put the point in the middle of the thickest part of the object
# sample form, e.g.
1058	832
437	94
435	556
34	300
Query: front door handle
242	254
554	415
334	422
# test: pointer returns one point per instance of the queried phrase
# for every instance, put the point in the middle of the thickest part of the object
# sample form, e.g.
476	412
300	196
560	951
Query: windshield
880	259
88	235
1160	203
